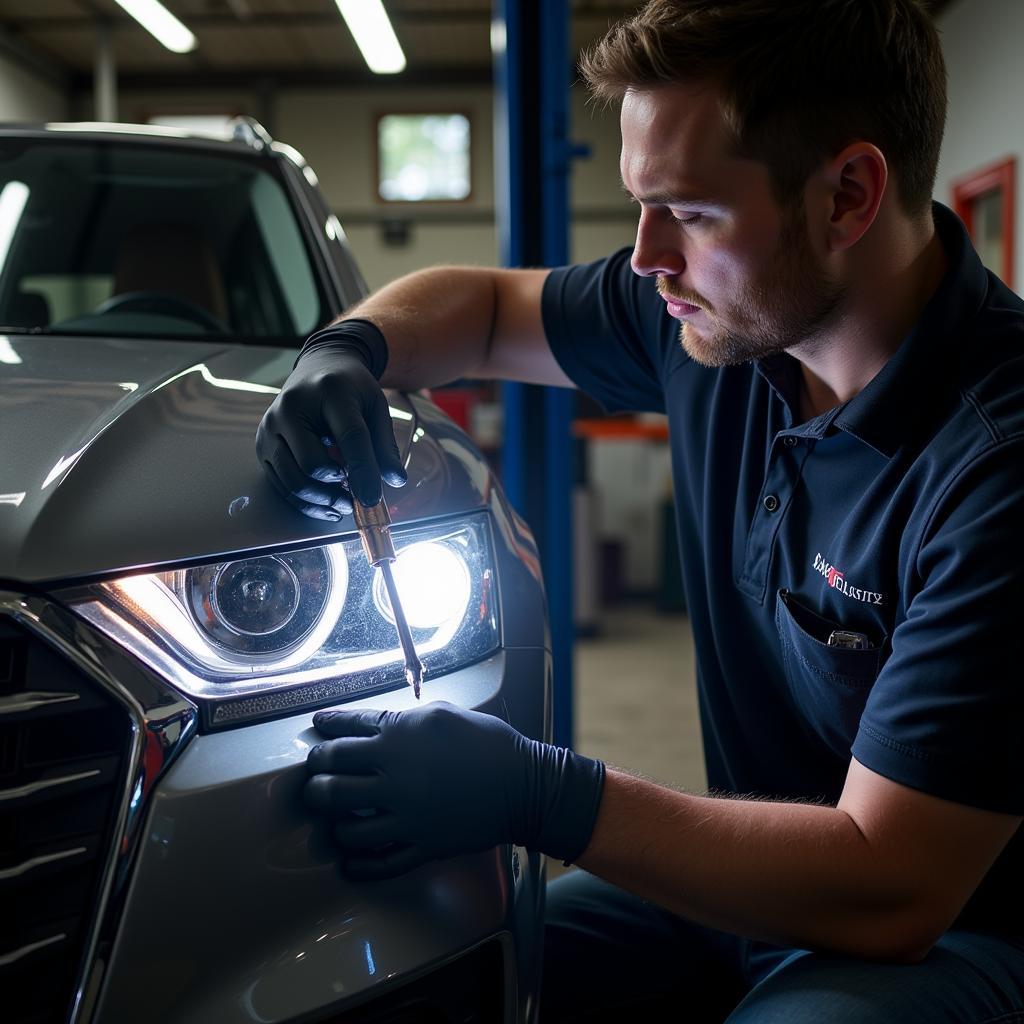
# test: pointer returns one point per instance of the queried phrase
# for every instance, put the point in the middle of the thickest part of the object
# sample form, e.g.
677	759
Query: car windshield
138	240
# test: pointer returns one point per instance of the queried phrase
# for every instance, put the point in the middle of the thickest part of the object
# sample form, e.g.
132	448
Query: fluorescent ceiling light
159	22
368	22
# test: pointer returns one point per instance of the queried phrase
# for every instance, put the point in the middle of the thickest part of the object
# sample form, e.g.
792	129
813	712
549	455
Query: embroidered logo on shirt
836	579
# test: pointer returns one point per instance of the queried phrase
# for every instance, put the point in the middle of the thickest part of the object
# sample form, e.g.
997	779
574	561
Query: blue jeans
610	956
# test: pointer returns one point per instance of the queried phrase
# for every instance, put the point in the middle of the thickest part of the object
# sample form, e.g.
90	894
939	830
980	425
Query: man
843	384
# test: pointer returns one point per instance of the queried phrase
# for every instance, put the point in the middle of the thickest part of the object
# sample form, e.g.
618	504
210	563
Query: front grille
468	990
64	747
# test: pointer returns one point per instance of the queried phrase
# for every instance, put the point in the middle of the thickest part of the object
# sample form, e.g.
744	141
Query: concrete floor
635	696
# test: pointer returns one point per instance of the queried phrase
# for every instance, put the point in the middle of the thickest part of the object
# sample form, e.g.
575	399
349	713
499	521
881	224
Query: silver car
168	623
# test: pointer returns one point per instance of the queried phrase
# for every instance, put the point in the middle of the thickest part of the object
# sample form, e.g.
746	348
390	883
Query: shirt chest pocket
829	684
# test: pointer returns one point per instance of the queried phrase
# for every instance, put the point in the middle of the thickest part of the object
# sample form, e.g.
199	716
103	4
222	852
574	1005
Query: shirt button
771	502
789	441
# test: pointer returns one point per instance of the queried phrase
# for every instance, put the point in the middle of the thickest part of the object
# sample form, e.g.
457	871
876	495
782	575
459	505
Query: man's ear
855	180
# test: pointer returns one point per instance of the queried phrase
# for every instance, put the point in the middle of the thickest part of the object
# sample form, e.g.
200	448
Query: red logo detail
834	576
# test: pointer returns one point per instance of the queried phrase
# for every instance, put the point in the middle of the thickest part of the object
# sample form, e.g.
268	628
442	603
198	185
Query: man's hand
332	395
441	781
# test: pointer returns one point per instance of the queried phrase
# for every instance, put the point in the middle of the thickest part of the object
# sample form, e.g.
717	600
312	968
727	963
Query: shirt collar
889	408
782	372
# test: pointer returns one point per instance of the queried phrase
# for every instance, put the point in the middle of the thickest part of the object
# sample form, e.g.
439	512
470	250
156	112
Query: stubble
794	302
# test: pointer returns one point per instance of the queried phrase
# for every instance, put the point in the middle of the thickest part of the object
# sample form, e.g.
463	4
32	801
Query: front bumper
215	897
237	910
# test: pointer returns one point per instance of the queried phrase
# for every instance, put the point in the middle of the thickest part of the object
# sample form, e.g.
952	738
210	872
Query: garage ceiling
445	41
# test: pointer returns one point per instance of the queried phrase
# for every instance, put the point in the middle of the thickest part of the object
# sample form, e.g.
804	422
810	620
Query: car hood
121	454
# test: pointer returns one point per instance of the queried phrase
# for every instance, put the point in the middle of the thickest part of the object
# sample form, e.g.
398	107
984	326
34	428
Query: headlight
258	637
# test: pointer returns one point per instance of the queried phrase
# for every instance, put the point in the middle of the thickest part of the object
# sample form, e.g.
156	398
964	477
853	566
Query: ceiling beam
205	79
228	19
235	17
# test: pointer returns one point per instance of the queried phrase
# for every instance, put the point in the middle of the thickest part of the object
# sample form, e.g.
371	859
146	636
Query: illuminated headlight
259	637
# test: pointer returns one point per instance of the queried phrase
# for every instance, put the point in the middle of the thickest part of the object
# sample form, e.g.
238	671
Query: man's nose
656	252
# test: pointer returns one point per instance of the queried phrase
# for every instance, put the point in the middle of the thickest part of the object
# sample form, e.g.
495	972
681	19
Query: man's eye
687	218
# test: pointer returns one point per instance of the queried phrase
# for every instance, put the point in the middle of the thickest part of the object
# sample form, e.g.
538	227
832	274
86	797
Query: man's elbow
906	937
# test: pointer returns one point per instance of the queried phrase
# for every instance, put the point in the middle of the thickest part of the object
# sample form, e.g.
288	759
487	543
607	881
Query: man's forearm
794	874
437	323
450	322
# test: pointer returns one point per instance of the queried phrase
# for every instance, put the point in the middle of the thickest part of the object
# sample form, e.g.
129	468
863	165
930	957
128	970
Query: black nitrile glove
332	393
443	781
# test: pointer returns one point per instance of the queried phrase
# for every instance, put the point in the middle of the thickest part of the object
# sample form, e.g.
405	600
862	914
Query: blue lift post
532	159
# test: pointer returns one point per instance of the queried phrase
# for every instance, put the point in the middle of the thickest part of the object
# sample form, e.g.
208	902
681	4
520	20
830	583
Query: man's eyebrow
671	199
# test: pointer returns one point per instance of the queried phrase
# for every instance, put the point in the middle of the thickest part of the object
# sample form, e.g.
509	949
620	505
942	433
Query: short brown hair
799	79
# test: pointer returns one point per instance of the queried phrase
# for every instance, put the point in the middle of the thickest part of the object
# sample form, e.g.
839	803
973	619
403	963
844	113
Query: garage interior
624	677
294	66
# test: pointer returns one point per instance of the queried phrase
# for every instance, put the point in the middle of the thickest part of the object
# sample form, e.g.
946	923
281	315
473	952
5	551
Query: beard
792	302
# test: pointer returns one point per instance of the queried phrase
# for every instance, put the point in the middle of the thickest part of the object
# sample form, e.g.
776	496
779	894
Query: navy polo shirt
898	515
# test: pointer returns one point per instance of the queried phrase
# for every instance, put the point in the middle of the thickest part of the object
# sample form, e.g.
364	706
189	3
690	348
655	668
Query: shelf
620	428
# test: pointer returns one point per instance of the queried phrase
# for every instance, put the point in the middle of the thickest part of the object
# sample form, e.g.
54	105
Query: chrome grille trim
31	700
37	862
37	787
7	959
162	721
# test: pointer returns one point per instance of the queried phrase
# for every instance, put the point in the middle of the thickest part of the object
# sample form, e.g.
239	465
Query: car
169	623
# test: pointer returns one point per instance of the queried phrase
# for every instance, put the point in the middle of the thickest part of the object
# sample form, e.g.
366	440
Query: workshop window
423	157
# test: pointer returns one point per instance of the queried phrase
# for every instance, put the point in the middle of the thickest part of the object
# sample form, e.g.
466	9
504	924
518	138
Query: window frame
998	177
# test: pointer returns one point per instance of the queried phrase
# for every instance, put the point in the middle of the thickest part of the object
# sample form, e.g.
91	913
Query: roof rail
248	130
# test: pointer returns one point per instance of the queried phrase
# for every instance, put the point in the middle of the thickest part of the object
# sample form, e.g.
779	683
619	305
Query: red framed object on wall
985	201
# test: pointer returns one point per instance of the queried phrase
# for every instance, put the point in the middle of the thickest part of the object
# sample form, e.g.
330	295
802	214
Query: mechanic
843	381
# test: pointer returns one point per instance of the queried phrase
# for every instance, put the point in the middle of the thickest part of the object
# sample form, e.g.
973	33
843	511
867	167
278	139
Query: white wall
26	97
982	41
336	133
604	218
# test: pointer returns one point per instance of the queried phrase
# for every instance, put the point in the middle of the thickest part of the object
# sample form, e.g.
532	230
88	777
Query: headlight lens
258	637
254	598
275	610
